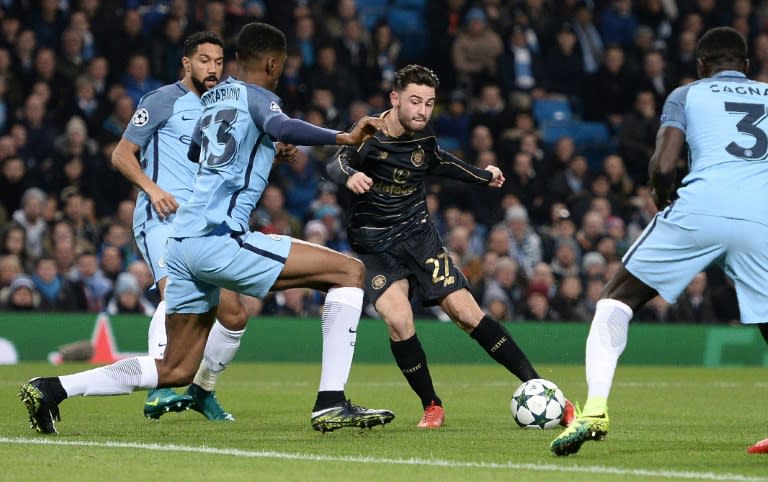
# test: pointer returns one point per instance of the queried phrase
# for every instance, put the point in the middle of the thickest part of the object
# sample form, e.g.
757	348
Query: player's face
204	67
414	106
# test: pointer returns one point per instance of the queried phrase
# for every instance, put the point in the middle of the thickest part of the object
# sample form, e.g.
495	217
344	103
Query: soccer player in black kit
391	231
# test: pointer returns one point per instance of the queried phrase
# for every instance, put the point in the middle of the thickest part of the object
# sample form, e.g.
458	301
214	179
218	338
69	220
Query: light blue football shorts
197	267
677	246
151	238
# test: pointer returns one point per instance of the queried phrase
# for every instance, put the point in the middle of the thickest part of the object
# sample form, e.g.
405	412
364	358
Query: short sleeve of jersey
673	113
153	110
263	105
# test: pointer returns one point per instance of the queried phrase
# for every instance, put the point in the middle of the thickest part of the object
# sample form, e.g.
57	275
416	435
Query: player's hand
164	203
285	153
359	183
498	178
362	131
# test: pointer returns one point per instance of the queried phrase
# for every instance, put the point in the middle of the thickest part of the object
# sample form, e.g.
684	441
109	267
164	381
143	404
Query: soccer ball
538	403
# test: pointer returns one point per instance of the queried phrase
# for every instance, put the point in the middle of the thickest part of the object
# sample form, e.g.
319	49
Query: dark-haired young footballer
718	218
210	247
390	229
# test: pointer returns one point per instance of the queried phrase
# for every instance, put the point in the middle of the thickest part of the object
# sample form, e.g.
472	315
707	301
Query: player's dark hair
414	74
198	38
722	45
257	39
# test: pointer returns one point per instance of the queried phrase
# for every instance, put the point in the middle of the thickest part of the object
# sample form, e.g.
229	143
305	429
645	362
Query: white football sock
341	314
156	335
605	343
119	378
220	349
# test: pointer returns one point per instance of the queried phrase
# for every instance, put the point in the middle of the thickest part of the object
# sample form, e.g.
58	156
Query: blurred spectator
566	258
519	69
353	49
57	293
293	88
444	21
567	301
299	180
593	266
137	79
166	51
655	77
525	244
127	297
608	93
96	285
21	295
592	229
81	25
10	268
304	38
694	305
590	41
14	181
272	215
328	73
656	310
127	40
29	216
563	69
384	58
490	110
452	123
618	23
571	183
537	306
503	292
114	125
475	50
637	136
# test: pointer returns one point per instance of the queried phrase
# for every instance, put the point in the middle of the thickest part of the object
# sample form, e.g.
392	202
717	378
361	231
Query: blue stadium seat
370	16
417	4
405	20
545	110
585	134
372	3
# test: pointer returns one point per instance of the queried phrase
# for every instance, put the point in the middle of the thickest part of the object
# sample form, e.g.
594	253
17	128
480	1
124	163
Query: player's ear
185	64
394	99
747	65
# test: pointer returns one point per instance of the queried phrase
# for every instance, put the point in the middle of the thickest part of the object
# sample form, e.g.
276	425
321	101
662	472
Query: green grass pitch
667	424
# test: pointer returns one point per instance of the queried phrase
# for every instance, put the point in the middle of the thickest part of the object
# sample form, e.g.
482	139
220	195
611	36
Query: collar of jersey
729	73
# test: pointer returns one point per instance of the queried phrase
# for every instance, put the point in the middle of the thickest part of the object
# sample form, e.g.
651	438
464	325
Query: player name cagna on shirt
216	95
739	89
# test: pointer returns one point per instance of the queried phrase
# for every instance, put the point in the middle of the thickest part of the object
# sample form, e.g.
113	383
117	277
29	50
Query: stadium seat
417	4
370	16
405	20
372	3
585	134
545	110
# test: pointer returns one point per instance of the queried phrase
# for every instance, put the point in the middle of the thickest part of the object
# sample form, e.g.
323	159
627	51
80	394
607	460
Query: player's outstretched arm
124	160
362	131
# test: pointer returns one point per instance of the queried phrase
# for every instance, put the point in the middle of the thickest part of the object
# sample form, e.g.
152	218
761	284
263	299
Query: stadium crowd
512	73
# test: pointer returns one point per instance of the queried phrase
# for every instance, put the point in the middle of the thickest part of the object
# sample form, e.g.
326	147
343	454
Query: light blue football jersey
162	127
724	120
236	156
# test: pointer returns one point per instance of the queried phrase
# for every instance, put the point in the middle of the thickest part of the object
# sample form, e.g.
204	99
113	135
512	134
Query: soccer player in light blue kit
210	247
719	218
160	131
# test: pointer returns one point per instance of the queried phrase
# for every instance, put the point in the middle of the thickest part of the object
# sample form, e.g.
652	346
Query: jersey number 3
753	115
222	138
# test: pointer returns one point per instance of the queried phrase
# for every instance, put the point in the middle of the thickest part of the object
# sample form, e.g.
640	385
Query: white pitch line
268	454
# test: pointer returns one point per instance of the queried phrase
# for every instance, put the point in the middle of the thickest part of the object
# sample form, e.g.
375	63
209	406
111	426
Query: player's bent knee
235	319
354	271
